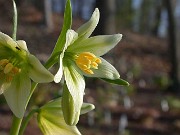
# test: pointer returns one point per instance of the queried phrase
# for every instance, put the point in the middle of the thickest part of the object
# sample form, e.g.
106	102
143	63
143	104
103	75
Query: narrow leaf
87	107
117	81
66	25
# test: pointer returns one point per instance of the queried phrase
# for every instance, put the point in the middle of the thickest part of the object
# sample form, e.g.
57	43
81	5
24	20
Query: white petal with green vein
98	45
105	70
17	94
86	29
37	72
75	84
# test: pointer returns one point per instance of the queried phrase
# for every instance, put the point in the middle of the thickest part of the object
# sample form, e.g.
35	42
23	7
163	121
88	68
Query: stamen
87	61
9	78
8	68
15	70
4	62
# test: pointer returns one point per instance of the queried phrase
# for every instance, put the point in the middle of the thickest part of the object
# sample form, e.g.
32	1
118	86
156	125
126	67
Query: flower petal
98	45
37	72
22	45
70	111
87	107
86	29
17	94
59	74
2	85
6	40
75	84
71	36
51	122
105	70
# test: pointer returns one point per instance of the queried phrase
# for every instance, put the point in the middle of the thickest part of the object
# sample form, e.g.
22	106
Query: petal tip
96	13
57	79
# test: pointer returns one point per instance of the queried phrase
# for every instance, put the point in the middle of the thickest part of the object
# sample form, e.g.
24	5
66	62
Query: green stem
48	64
26	121
15	125
14	21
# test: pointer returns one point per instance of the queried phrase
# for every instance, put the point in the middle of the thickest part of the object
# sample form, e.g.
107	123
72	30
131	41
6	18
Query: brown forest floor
142	60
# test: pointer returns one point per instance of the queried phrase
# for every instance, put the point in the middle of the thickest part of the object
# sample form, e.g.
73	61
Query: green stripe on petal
105	70
51	122
86	29
75	84
70	107
17	94
98	45
37	72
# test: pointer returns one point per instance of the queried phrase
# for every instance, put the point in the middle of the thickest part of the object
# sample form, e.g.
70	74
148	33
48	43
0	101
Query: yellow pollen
8	70
9	78
15	70
4	62
87	61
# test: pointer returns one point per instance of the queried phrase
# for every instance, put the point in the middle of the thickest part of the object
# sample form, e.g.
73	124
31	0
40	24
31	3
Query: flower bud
70	112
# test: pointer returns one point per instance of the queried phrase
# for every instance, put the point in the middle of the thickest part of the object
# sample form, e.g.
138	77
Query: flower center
87	61
8	70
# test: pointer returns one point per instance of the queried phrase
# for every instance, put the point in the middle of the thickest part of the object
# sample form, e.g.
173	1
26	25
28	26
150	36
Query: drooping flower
51	121
17	68
81	57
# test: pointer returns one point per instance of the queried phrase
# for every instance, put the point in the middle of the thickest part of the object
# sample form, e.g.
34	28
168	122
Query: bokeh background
148	57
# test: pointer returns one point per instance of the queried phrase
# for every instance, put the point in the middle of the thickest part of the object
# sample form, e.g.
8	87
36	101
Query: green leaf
116	81
66	25
70	37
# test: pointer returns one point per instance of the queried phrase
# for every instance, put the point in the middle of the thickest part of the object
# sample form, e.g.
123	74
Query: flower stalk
14	21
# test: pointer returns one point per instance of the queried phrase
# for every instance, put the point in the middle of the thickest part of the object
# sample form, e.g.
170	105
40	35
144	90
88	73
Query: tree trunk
107	17
48	14
173	47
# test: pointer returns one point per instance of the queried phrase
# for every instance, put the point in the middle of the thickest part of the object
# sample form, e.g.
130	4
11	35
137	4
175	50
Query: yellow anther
9	78
87	61
15	70
4	62
8	68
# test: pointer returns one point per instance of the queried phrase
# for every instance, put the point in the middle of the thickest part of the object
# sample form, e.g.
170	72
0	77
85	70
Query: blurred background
148	57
